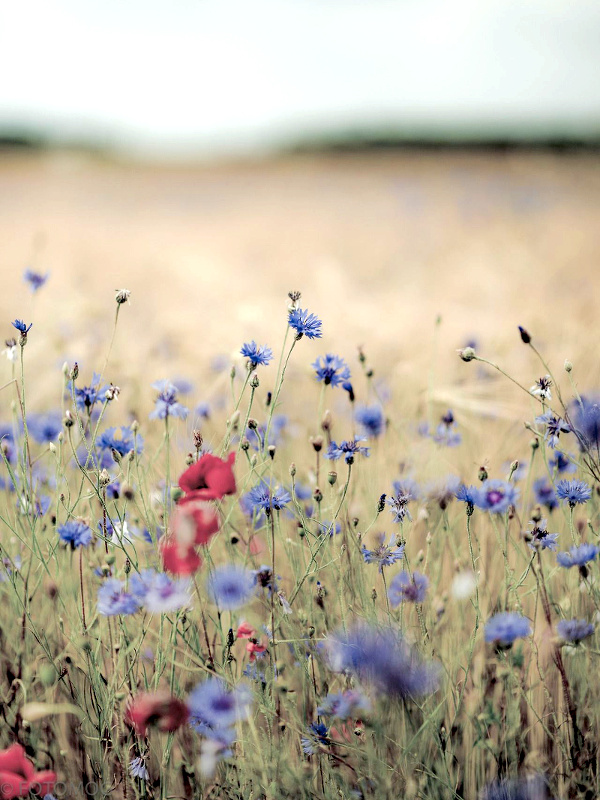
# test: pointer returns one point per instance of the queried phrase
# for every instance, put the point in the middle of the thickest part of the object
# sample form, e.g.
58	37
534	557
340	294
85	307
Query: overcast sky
183	75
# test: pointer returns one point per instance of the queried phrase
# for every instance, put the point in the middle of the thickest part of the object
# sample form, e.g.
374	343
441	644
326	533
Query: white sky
168	75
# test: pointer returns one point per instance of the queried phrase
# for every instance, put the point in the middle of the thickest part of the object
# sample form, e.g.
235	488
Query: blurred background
396	160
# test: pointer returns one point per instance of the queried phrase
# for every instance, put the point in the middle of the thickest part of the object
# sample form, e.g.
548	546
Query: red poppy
194	520
255	648
209	478
180	559
161	709
18	777
245	631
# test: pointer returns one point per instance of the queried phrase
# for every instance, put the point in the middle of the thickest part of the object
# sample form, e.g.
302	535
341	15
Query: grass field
342	673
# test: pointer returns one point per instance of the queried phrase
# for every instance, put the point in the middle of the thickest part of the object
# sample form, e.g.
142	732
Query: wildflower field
300	544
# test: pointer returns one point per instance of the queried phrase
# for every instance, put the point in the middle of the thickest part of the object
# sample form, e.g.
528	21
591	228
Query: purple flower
331	369
380	656
573	491
554	427
158	593
137	769
408	588
75	532
540	538
256	354
371	420
317	736
574	630
446	432
305	324
120	439
35	279
265	497
166	404
44	428
578	556
545	494
215	709
347	450
497	496
468	495
231	586
385	555
562	462
404	492
22	327
87	396
504	628
113	599
585	416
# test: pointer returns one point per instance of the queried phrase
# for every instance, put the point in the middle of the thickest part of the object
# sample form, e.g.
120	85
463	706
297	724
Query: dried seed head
122	296
467	353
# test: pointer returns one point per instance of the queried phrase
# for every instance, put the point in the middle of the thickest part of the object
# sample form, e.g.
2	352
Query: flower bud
332	478
568	365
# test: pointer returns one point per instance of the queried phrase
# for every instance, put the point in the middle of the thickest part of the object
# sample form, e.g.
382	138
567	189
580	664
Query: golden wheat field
379	245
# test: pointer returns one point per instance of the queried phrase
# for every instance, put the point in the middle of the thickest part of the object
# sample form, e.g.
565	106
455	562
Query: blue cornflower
215	709
554	427
468	495
574	630
532	788
504	628
120	439
331	369
545	493
408	588
21	326
75	532
347	449
446	432
382	657
35	279
265	497
44	428
167	404
404	492
113	599
305	324
497	496
87	396
573	491
256	354
385	555
317	736
137	769
585	416
158	593
540	539
371	420
231	586
351	703
578	556
562	462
